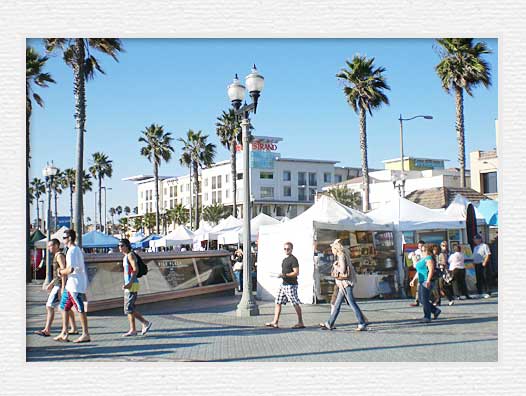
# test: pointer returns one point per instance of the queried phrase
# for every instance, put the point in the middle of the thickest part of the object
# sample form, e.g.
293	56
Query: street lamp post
236	92
105	221
49	173
402	178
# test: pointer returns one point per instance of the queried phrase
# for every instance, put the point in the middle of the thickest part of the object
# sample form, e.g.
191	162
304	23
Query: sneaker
451	302
414	304
146	328
437	314
425	320
487	295
361	328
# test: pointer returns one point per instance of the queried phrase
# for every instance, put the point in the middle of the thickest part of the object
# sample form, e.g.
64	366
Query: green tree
101	168
346	197
214	213
38	188
228	128
68	181
364	86
149	221
112	213
157	147
124	226
77	54
197	153
462	68
127	211
118	210
56	187
138	223
178	215
136	210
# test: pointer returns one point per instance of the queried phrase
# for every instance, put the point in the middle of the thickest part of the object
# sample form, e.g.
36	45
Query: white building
279	186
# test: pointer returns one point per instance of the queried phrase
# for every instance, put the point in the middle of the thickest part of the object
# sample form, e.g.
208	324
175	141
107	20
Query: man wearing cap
76	285
481	259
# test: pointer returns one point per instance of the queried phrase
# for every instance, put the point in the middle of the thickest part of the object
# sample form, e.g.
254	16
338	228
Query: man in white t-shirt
481	259
76	285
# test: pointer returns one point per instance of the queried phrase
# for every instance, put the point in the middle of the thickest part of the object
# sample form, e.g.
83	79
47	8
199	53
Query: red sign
263	146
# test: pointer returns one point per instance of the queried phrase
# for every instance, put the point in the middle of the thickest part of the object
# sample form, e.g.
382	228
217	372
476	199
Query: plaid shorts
288	293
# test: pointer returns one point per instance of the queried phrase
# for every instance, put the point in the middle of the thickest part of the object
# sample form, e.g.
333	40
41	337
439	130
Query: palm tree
149	221
179	214
462	69
34	77
118	210
124	226
112	213
214	213
197	153
363	88
38	188
101	168
77	55
157	147
127	211
227	128
138	223
68	181
136	210
56	186
346	197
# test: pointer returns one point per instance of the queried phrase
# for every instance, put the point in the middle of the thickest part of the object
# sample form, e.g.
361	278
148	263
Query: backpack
142	268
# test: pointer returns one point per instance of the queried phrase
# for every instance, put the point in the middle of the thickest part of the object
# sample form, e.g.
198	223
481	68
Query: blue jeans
424	295
352	303
239	279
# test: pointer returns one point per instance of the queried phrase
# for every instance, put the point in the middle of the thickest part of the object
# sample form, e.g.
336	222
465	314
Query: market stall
311	233
234	235
179	236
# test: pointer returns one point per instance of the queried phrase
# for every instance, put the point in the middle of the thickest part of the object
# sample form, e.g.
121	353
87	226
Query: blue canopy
97	239
489	208
145	242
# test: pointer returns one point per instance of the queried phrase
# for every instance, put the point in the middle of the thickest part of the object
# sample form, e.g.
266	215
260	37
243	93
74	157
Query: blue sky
181	84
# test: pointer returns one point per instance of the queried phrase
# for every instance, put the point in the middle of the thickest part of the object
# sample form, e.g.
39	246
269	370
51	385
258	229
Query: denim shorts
129	301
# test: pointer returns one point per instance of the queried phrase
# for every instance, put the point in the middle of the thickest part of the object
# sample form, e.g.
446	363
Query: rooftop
415	158
441	197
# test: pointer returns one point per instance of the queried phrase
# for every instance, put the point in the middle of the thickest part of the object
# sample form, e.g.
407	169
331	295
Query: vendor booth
96	240
145	242
311	233
59	234
179	236
234	236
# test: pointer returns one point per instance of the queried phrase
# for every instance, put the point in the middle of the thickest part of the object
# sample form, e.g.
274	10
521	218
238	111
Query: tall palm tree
346	197
197	153
462	69
127	211
364	86
149	221
34	77
56	187
157	147
118	210
228	128
138	223
124	226
179	214
136	210
112	213
101	168
68	181
214	213
39	188
77	55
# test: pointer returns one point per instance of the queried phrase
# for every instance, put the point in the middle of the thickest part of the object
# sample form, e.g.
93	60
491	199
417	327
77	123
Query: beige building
484	169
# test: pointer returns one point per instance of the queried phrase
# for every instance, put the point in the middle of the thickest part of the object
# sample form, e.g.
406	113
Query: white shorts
54	297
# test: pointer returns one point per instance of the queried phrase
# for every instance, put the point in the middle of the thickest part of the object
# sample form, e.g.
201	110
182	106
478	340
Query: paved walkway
206	329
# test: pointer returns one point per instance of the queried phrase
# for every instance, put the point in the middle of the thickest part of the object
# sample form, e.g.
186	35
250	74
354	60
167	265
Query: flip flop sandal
60	339
73	332
273	325
296	326
79	341
42	333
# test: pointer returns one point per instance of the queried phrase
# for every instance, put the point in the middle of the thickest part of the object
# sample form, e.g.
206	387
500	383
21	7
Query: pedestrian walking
415	257
55	289
345	279
446	277
288	291
237	267
457	267
75	289
481	259
424	273
131	288
437	275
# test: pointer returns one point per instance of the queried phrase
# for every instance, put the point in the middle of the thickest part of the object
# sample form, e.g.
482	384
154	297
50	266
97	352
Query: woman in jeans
424	272
345	278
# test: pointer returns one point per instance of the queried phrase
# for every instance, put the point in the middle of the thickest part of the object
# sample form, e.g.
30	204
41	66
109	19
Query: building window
312	194
171	204
239	176
266	209
213	182
266	175
313	179
206	197
489	182
141	194
338	178
287	191
226	178
279	211
151	207
219	181
286	175
219	197
206	182
227	193
188	187
301	179
327	177
293	211
301	194
214	197
165	191
267	192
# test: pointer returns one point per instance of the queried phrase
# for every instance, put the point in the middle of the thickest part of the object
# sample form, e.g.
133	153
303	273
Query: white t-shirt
480	252
456	260
78	280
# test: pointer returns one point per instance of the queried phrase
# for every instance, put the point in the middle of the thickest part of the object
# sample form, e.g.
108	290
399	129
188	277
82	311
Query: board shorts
129	301
54	297
288	293
70	299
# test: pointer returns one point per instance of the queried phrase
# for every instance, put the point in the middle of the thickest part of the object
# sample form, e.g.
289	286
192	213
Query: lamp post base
247	307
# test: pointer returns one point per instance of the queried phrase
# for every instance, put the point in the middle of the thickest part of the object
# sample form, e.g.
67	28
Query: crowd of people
439	273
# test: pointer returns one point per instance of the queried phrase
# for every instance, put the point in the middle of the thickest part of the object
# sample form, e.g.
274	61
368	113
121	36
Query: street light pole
402	176
105	221
236	91
49	173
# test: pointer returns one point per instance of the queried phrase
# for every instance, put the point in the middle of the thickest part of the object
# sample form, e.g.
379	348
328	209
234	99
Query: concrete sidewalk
206	329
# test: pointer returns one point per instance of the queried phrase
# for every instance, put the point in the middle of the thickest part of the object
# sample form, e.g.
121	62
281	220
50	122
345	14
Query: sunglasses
287	249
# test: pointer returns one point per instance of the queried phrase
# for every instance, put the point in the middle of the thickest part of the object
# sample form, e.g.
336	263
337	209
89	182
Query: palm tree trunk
365	166
37	197
459	99
156	175
196	189
234	178
28	217
70	206
102	226
79	90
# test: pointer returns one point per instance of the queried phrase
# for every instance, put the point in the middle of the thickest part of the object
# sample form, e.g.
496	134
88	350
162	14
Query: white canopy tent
201	234
235	235
326	213
225	225
42	244
179	236
136	237
458	209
